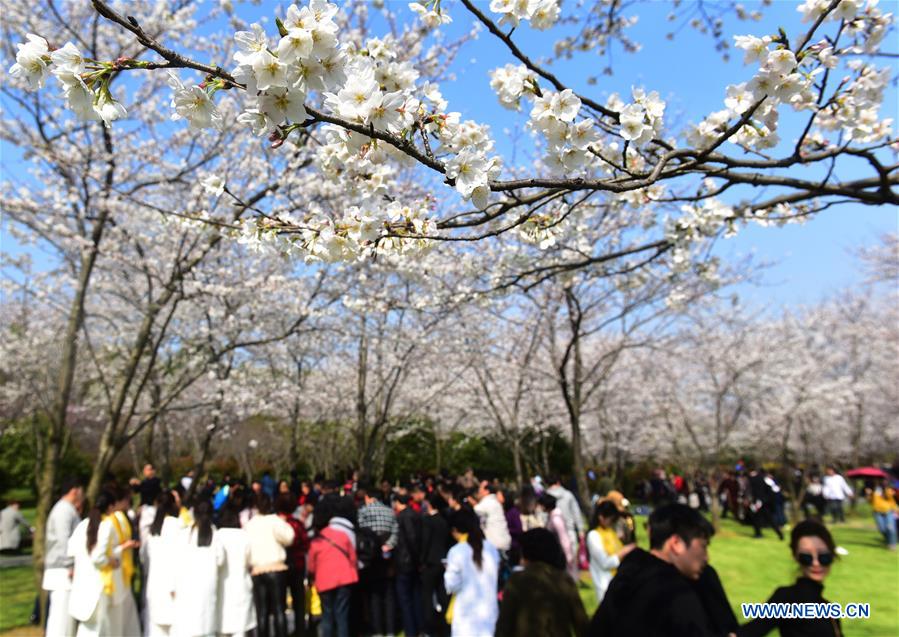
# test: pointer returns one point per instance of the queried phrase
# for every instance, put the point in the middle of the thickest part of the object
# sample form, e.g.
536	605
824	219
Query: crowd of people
438	556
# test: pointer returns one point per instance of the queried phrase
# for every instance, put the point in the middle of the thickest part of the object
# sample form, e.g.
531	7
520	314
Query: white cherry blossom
31	61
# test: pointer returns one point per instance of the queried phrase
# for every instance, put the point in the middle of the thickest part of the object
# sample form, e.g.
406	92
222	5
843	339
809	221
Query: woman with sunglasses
813	549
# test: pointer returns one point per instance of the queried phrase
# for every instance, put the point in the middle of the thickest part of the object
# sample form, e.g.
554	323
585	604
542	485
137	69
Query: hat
617	498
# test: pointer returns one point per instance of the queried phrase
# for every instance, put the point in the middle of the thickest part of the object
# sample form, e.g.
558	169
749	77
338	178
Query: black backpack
368	547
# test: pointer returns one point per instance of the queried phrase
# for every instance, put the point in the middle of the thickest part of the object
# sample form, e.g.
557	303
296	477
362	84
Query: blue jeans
886	524
835	508
335	612
408	593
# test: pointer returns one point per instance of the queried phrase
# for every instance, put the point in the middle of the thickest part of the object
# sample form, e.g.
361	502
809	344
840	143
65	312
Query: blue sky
809	261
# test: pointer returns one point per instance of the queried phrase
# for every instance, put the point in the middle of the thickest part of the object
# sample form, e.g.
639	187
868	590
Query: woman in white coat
472	567
237	610
196	588
125	620
163	553
604	547
97	581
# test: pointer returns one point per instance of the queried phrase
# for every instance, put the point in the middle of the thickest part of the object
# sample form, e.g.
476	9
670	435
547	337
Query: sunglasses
807	559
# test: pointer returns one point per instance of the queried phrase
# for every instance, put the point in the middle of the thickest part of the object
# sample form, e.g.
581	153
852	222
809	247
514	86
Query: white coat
87	584
601	564
475	609
196	588
163	553
238	613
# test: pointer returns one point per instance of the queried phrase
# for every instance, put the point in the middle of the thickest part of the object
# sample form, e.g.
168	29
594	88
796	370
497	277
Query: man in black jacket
435	541
406	560
654	593
762	503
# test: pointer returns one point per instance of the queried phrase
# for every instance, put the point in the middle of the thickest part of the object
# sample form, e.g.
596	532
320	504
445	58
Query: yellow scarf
451	606
610	542
106	571
123	531
186	518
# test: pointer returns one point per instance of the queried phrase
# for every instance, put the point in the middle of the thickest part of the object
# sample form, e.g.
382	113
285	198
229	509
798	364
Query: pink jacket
332	560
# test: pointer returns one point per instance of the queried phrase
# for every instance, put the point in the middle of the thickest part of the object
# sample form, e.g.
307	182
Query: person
555	522
653	593
728	495
571	513
125	620
493	518
883	505
405	559
58	564
514	524
604	547
186	481
332	566
97	580
625	526
162	562
150	487
268	536
196	588
814	498
813	548
762	502
835	490
267	485
237	612
296	558
11	524
435	537
541	600
377	522
472	568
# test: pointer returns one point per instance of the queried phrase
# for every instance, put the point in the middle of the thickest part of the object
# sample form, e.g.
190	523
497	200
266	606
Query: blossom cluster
542	14
787	77
778	81
85	84
641	120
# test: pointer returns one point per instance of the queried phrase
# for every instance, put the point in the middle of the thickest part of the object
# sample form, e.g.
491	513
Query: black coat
649	597
714	600
435	539
408	547
803	591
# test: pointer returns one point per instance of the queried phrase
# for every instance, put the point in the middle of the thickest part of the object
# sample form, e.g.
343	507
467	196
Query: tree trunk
583	489
165	470
516	458
105	455
714	504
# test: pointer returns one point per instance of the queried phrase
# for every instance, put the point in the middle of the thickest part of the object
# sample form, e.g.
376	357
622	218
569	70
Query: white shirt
493	521
835	487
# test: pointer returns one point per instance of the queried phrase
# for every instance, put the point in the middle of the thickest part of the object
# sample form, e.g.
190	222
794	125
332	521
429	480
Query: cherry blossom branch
513	48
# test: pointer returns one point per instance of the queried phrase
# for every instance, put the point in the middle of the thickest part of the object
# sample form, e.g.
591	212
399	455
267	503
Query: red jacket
296	552
332	560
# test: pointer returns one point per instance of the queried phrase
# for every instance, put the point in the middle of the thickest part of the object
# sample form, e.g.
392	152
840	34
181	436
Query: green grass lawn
750	570
16	596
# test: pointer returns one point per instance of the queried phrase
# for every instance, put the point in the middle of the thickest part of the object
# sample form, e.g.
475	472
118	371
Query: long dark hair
203	522
105	500
165	505
466	521
606	509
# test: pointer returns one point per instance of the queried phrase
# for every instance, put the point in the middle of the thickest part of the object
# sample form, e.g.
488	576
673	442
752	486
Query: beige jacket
268	535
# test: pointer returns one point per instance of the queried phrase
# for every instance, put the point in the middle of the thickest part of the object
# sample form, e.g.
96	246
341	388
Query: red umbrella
866	472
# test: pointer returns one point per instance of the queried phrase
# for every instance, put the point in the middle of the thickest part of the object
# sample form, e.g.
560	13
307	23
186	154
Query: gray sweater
60	524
